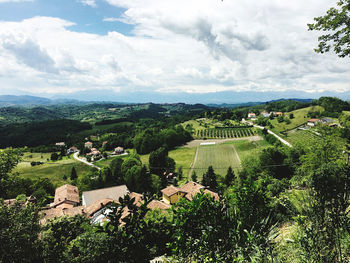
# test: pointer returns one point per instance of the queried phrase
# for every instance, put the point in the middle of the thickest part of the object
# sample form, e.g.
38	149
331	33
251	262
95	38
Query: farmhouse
60	144
119	150
72	149
312	122
88	145
265	114
277	113
251	115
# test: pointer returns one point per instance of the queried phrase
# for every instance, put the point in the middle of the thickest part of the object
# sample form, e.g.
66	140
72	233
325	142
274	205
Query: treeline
40	133
151	139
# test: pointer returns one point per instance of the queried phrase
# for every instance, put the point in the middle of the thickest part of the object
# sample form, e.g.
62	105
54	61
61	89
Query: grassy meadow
300	117
52	170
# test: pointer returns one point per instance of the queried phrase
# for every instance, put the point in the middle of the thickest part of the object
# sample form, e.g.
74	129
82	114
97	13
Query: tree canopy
336	23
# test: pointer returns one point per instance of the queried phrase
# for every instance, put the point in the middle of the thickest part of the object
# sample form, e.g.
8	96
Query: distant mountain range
27	101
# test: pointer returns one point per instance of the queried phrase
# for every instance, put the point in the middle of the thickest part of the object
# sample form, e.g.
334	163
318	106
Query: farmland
300	118
300	137
223	133
219	156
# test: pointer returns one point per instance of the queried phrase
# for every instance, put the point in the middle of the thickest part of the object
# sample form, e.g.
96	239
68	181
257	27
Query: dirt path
193	163
196	143
76	157
236	153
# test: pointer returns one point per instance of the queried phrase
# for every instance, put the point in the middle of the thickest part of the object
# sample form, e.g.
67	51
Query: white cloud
111	19
198	46
91	3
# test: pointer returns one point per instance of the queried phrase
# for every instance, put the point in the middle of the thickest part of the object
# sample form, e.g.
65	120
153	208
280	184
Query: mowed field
220	156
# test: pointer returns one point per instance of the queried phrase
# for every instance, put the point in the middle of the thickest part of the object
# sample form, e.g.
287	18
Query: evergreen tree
230	176
73	174
209	178
194	176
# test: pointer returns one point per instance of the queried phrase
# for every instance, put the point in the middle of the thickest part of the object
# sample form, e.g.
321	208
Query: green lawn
300	117
52	170
220	156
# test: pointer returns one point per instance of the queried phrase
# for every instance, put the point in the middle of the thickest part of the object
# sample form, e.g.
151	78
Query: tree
107	176
54	156
194	176
209	178
230	176
19	233
73	174
336	23
116	168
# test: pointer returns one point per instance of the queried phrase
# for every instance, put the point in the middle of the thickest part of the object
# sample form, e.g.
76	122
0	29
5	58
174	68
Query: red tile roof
171	190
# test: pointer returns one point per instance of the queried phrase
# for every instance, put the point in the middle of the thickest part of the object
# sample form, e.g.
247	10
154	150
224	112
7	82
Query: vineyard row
225	133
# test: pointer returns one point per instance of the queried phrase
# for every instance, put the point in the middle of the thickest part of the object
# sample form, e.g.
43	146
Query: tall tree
73	174
230	176
209	178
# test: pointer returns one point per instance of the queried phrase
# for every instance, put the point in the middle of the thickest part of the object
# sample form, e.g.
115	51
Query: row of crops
225	133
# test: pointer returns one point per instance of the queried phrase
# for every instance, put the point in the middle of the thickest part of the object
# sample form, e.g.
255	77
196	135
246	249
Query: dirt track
196	143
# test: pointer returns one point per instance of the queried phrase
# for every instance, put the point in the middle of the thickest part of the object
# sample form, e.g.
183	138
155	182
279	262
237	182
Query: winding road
76	157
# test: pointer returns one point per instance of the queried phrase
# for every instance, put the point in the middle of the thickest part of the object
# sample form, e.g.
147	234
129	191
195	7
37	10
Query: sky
207	51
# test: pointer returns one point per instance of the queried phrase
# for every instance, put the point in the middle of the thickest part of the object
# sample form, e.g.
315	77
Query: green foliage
55	238
230	176
73	174
336	23
19	234
54	156
194	176
209	179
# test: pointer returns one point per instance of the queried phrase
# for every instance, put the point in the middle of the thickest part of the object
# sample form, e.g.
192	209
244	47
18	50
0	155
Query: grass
246	148
183	156
300	117
106	162
220	156
52	170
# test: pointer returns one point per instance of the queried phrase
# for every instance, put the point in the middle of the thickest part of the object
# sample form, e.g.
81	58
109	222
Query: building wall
173	199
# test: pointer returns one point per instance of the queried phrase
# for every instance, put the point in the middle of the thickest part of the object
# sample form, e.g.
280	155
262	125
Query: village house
60	144
72	149
251	115
66	196
265	114
172	194
277	113
88	145
312	122
119	150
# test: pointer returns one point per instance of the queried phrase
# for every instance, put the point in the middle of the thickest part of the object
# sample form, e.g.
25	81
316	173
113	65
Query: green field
246	148
300	117
220	156
52	170
183	156
106	162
